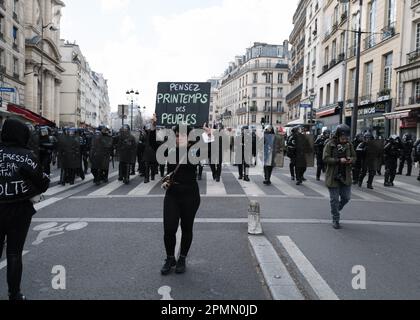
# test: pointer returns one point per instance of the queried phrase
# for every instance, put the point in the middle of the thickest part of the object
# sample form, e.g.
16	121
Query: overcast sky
138	43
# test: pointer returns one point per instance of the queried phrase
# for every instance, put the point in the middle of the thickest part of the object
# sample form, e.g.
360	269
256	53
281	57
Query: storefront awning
398	115
31	116
326	112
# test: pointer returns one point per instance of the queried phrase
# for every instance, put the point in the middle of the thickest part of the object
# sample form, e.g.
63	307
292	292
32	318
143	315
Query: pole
122	117
249	111
272	101
132	115
312	117
355	114
41	82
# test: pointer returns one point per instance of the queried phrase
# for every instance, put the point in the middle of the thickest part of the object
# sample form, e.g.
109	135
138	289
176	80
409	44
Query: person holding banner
181	204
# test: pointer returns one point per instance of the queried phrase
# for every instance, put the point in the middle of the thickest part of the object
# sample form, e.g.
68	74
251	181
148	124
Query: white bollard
254	219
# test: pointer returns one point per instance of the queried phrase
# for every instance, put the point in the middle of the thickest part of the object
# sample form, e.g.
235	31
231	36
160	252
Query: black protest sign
183	103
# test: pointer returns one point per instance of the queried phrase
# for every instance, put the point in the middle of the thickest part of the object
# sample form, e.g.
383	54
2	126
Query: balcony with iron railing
414	3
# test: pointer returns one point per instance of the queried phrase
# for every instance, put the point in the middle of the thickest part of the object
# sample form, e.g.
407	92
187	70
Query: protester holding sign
21	179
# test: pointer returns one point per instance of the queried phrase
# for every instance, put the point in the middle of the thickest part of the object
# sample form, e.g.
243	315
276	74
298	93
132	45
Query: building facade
42	68
214	116
380	56
12	52
254	87
330	94
84	93
405	118
296	113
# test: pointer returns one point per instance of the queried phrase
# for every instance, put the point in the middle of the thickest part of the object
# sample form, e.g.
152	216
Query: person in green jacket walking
339	156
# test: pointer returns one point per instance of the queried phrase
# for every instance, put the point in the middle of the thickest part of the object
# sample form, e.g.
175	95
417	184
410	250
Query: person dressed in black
291	152
149	155
302	149
245	161
100	155
406	154
216	165
368	157
47	145
357	166
417	155
392	152
126	147
20	181
84	150
272	147
181	205
320	143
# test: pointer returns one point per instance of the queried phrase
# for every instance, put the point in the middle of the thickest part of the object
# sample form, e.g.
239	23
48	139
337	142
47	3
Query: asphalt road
109	241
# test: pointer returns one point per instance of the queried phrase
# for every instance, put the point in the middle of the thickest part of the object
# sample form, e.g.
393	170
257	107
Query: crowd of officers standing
373	154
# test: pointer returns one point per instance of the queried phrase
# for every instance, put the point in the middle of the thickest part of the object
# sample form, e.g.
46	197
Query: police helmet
342	130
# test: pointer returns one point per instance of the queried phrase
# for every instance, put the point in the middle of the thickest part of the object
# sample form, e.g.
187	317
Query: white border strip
318	284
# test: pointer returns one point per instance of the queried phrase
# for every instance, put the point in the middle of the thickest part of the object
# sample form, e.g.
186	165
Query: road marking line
286	188
58	189
323	191
360	194
404	186
231	221
143	189
251	189
3	264
214	188
387	193
107	189
318	284
277	278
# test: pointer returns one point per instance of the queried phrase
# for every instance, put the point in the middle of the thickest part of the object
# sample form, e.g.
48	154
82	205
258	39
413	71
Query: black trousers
409	161
371	175
150	170
15	220
243	169
268	171
391	166
85	159
200	170
300	172
320	167
45	159
292	167
100	175
216	170
181	205
124	171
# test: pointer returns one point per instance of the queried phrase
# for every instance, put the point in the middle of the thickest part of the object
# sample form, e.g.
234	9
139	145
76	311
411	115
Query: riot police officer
406	154
291	151
392	152
47	145
320	143
368	157
126	147
100	154
357	165
417	154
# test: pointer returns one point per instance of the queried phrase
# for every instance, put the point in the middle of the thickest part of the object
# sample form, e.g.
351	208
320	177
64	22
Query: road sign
9	90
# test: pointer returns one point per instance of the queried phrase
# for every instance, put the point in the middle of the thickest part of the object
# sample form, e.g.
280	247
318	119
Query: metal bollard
254	219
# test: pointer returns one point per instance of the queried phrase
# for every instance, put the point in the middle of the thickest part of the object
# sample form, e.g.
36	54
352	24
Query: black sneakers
170	263
17	297
336	225
181	266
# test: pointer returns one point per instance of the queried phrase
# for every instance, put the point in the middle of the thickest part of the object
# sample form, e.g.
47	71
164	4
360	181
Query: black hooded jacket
21	176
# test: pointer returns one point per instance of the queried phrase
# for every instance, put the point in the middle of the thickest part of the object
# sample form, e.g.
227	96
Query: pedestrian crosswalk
231	186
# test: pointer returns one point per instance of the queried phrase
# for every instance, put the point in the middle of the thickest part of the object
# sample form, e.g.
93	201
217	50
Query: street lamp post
355	113
131	94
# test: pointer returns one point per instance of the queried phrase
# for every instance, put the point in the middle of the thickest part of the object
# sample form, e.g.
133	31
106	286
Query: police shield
374	153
